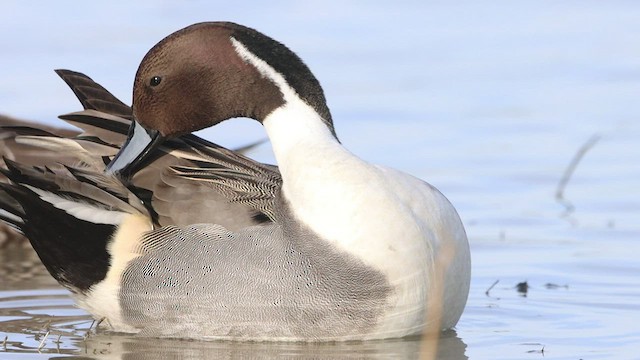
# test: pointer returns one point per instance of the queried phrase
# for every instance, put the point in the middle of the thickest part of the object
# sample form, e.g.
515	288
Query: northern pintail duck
351	250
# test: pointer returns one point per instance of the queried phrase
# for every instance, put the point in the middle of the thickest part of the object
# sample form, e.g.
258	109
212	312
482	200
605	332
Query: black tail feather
92	95
73	250
11	212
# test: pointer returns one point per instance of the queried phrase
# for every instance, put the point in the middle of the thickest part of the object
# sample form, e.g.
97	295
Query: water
488	102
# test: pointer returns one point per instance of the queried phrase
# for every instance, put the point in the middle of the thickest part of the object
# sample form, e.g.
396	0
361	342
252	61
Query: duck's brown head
196	78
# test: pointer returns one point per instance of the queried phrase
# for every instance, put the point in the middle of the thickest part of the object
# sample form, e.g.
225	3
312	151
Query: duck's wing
240	196
242	180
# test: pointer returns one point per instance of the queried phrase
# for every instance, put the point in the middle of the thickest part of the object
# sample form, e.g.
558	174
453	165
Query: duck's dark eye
155	81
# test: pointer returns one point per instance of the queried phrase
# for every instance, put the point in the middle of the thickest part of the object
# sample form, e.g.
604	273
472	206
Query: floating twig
46	335
92	328
86	335
100	322
433	314
568	172
491	287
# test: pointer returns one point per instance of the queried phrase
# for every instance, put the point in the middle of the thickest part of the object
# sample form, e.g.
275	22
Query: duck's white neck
317	171
311	161
321	180
301	139
296	127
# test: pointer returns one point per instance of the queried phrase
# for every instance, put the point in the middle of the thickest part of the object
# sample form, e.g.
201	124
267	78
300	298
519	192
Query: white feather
79	210
10	216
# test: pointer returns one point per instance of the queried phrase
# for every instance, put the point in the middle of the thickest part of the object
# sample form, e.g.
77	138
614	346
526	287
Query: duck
351	251
355	251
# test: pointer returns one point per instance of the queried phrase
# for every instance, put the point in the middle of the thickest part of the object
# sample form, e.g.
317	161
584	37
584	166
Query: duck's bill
139	145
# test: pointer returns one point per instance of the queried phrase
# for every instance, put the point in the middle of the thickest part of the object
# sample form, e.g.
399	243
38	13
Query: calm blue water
488	102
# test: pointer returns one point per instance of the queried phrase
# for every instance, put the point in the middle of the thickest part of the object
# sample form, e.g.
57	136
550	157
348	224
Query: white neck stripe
265	70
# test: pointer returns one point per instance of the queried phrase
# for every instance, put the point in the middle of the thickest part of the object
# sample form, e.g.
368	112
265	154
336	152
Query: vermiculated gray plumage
265	281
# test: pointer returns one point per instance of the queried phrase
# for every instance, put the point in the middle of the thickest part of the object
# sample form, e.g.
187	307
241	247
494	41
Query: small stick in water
86	335
491	287
569	172
433	314
43	340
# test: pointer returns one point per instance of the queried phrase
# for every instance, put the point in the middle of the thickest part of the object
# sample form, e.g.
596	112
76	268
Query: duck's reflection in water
108	346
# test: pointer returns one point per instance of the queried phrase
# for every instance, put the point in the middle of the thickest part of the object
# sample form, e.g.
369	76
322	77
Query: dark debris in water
536	351
522	288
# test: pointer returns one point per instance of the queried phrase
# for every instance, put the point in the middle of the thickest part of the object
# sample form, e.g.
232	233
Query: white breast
390	220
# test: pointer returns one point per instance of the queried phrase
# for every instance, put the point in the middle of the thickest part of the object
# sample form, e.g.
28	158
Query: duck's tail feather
93	96
68	221
11	212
